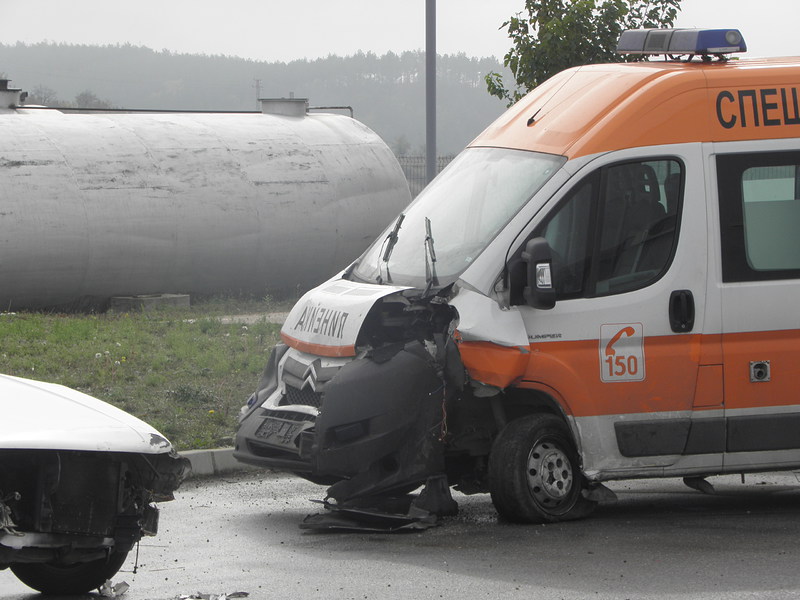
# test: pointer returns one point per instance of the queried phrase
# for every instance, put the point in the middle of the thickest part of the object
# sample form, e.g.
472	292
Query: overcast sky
271	30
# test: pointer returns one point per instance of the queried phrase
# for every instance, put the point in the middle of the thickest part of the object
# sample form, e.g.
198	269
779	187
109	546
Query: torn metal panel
481	318
493	341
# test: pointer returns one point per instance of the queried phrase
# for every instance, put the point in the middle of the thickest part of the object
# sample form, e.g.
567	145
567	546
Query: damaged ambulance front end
78	483
368	392
367	420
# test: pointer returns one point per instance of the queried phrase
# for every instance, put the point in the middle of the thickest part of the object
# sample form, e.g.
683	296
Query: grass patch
180	369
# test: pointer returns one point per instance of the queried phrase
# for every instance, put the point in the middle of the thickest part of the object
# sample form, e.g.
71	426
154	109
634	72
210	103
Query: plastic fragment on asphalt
110	590
368	519
223	596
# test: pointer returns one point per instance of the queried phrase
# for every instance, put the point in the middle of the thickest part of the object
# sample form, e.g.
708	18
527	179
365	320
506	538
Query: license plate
278	432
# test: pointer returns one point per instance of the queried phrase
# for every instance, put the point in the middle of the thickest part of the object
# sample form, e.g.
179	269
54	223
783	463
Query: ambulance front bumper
374	430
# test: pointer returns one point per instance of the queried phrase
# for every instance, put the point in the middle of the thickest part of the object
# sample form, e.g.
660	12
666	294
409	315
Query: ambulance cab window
616	231
637	224
760	215
567	233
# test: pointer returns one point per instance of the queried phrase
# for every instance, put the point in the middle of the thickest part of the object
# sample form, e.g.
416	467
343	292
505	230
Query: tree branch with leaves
552	35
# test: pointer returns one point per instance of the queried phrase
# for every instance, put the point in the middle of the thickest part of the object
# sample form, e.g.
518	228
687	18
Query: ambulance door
759	207
620	350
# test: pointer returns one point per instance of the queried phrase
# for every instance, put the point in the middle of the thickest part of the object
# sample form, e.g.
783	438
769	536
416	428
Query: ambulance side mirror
539	293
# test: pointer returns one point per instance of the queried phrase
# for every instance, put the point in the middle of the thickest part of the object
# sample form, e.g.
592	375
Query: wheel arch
534	471
531	398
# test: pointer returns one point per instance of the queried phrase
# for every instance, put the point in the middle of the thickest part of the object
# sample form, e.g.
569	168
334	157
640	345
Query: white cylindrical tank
104	204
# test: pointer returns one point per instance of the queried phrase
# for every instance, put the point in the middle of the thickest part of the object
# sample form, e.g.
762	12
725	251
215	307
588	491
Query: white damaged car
78	479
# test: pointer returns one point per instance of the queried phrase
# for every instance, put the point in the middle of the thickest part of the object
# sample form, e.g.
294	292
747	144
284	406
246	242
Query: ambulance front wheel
534	476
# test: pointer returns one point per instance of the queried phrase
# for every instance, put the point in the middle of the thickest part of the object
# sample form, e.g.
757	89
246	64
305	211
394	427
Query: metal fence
414	170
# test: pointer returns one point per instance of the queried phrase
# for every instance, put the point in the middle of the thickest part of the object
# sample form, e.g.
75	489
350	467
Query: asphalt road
659	540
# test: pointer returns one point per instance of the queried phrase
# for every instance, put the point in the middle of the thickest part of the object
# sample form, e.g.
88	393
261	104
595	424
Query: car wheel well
534	473
521	403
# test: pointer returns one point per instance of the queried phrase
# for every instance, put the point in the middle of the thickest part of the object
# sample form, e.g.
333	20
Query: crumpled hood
46	416
326	320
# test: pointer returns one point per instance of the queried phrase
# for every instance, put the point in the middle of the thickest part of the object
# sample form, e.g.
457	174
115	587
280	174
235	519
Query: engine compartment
66	507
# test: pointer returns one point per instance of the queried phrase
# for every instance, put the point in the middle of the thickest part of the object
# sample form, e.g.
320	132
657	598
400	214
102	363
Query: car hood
46	416
326	320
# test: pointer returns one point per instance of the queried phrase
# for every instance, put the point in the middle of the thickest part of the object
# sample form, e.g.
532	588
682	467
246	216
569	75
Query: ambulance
604	285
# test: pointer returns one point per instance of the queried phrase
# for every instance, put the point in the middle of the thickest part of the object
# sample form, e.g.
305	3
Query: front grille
286	416
306	397
265	451
305	379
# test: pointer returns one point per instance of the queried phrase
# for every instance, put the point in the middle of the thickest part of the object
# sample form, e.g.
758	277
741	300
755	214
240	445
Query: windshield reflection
463	209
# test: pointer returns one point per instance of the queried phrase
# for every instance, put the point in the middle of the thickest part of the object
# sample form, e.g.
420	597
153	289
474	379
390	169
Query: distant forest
387	92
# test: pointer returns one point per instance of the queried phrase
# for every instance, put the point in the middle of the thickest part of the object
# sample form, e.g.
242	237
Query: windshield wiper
392	237
430	267
391	241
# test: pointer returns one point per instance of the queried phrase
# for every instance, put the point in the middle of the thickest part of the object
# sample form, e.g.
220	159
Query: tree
41	94
557	34
88	99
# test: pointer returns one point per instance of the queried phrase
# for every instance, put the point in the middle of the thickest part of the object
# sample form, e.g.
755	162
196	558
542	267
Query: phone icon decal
622	352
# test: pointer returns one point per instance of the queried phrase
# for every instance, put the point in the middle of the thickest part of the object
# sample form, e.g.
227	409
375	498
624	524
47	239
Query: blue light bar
681	41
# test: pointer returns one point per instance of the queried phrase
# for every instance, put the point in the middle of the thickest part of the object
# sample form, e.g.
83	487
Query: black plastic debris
204	596
351	518
435	498
387	514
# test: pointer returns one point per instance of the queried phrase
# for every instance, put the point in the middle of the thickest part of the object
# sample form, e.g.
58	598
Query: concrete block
202	462
147	302
214	462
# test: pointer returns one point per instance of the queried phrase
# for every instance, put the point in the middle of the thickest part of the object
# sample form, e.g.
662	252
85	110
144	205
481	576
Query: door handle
681	311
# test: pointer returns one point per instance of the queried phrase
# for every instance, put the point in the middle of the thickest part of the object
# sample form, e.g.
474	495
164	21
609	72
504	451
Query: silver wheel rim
549	474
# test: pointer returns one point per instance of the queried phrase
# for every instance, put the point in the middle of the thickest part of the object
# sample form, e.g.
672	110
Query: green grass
181	370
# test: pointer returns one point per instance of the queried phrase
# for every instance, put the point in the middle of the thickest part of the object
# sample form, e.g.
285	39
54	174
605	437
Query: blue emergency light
703	42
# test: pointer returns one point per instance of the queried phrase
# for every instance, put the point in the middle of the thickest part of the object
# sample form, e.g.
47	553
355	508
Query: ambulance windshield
459	213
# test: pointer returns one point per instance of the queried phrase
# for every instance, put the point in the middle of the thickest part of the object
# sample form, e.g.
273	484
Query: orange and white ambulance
604	285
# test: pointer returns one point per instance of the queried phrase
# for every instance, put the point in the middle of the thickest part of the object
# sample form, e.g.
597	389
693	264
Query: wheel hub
549	473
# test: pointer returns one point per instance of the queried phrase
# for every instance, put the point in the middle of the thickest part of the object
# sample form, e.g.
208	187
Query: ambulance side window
759	196
567	232
638	224
616	231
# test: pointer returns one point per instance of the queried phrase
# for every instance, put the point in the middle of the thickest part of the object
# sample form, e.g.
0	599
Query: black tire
69	579
534	473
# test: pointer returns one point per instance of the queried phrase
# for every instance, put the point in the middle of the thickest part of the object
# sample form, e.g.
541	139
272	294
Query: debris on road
384	514
223	596
110	590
